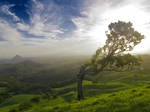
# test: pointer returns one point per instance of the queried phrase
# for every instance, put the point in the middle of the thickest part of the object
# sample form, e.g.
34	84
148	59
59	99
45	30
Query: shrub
24	106
46	96
13	110
35	100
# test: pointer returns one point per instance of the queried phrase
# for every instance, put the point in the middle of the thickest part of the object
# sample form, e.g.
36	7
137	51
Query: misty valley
49	85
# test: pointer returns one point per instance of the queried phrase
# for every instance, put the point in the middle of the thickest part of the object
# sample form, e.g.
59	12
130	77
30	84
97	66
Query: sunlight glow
138	17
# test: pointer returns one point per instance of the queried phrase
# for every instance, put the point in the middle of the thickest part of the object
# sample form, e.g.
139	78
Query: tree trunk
79	86
80	78
81	74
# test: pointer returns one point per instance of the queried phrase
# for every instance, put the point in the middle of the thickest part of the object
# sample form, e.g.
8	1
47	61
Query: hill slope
105	92
116	94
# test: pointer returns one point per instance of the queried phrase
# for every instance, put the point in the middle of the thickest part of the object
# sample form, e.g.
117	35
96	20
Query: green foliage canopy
121	38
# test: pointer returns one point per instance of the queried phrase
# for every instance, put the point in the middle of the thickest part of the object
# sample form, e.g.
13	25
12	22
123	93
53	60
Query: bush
46	96
35	100
24	106
13	110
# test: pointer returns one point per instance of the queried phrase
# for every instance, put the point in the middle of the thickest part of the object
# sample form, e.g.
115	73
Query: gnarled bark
79	86
80	78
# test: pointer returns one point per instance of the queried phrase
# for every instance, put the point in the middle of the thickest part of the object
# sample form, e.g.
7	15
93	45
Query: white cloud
101	13
5	9
42	21
40	25
85	39
22	27
9	33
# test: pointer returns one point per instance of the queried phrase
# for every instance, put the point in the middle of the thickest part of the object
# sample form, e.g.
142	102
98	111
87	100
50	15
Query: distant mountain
14	60
17	59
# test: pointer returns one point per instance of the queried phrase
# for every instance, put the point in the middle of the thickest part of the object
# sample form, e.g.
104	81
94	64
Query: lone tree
121	38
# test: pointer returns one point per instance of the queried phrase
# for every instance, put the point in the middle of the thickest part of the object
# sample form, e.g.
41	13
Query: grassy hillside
112	94
105	92
110	97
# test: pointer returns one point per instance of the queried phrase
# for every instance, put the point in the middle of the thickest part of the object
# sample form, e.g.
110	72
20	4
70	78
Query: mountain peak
17	59
18	56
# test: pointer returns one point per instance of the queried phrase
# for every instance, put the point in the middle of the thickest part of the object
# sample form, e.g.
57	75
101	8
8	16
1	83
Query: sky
66	27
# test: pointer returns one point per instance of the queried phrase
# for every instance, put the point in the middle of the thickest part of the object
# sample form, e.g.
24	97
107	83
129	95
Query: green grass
3	90
105	92
113	96
130	100
16	100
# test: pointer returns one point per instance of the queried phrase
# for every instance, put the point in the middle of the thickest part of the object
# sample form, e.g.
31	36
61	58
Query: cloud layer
52	31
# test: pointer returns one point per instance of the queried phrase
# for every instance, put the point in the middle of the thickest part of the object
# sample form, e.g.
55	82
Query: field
127	91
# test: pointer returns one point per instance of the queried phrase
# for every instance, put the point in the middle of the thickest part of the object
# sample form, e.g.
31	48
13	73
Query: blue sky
69	27
57	12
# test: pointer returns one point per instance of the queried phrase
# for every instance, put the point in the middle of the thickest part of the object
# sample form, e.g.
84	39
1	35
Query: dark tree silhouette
121	38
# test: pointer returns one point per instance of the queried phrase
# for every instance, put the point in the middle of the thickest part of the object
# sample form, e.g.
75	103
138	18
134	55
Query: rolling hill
127	91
